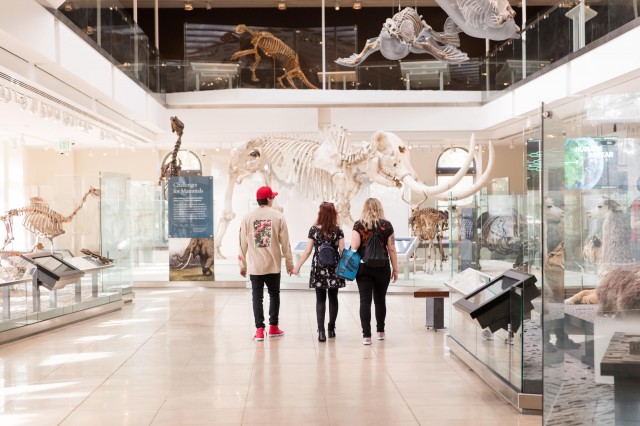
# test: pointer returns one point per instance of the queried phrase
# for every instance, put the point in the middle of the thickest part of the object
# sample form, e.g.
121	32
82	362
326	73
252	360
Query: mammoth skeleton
331	168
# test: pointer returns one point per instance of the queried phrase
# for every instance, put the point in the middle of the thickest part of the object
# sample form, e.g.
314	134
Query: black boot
321	336
332	332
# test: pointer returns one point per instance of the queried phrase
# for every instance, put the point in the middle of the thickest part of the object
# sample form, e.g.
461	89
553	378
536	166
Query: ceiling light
337	6
208	6
282	5
357	5
68	7
188	6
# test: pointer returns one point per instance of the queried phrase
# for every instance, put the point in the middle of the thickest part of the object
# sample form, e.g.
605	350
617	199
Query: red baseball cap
265	192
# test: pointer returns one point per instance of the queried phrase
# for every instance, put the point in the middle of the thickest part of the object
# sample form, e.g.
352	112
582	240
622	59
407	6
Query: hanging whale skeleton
327	167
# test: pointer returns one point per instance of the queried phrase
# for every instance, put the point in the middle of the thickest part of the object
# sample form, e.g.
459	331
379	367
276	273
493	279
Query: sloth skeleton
406	32
492	19
272	47
330	168
40	219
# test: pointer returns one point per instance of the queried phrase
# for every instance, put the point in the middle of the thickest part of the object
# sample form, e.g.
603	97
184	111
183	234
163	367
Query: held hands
394	274
290	271
295	271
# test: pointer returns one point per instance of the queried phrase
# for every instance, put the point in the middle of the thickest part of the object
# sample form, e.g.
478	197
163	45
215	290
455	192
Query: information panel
191	207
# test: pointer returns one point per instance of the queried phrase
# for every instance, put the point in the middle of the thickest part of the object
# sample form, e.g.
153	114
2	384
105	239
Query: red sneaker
259	334
274	331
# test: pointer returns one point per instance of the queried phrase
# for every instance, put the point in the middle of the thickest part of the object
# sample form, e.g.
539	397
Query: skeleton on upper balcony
406	32
492	19
328	167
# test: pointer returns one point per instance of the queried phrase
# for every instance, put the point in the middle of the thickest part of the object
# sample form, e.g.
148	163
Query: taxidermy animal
492	19
429	224
201	247
173	168
265	43
328	167
618	290
408	33
40	219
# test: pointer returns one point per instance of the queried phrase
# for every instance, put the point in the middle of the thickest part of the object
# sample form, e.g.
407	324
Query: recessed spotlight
337	6
188	6
357	5
282	5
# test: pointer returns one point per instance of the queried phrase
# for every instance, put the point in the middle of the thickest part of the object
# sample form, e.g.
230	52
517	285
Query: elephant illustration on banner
197	247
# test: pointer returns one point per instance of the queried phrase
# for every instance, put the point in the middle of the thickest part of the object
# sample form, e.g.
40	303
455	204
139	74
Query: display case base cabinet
59	321
523	402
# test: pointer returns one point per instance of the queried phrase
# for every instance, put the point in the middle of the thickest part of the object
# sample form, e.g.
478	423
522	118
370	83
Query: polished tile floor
185	357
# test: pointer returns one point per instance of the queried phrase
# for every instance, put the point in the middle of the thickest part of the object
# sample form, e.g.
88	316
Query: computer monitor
53	272
502	301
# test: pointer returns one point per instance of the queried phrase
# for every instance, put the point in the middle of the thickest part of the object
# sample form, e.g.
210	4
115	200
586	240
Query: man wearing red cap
264	235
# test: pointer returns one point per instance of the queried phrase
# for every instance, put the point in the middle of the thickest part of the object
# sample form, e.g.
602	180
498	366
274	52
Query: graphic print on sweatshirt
262	232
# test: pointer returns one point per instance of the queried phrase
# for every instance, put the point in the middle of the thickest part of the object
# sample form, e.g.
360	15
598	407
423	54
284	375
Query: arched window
448	164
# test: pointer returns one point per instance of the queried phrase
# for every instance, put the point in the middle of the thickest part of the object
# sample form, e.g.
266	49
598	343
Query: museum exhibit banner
190	201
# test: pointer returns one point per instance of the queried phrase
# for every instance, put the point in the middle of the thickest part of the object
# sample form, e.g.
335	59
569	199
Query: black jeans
321	307
373	282
273	287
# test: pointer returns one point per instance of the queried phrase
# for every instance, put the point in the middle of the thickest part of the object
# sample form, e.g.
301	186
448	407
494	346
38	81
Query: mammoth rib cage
292	161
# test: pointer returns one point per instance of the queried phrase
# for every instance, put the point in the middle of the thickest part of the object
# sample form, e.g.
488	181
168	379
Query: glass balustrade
209	47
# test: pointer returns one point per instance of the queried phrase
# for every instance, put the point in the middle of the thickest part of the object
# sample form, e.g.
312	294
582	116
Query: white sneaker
380	335
366	340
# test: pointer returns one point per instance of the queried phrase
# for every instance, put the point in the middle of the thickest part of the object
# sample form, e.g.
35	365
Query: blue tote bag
348	265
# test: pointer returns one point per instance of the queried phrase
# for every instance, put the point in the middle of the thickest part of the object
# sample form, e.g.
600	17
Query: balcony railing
207	64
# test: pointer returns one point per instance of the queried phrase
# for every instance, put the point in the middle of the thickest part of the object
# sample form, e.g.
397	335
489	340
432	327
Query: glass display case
591	289
494	328
116	225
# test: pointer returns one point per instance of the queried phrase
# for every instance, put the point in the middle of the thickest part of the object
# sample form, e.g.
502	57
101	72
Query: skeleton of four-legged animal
40	219
330	168
429	224
406	32
173	168
272	47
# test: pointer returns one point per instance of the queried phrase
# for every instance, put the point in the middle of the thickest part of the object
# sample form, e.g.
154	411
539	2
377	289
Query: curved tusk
476	186
187	262
439	189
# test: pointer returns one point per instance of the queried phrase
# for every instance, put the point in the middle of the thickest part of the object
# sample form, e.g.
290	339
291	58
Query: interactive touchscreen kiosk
52	272
502	301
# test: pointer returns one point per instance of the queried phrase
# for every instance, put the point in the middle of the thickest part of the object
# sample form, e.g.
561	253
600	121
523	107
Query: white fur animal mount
327	167
618	291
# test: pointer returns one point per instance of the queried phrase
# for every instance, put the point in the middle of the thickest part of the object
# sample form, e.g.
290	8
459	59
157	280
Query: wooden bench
434	304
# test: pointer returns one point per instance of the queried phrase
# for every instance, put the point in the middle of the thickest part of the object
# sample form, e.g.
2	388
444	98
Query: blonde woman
374	282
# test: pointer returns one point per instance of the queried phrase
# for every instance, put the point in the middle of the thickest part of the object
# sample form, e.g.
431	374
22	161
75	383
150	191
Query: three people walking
264	238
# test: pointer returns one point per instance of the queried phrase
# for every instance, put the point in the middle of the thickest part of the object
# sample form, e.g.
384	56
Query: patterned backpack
327	254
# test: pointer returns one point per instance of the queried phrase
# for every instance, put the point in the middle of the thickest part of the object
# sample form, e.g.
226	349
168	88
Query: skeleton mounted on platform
429	225
330	168
40	219
173	167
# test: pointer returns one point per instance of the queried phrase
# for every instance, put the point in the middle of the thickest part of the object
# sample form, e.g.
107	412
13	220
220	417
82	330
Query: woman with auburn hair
328	240
373	282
